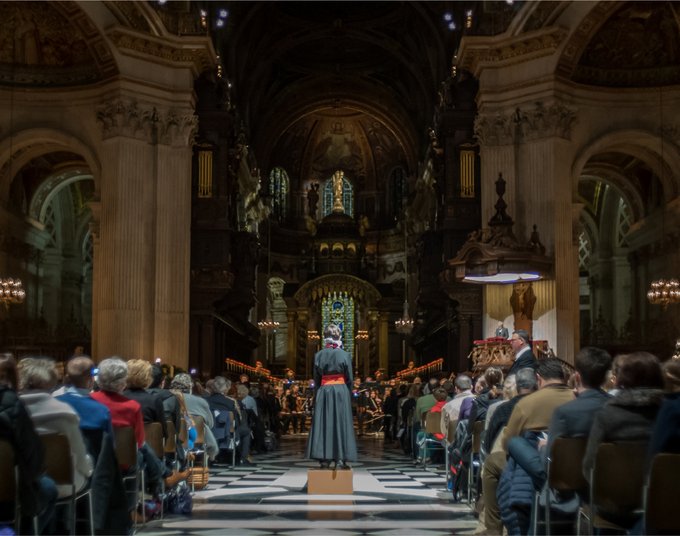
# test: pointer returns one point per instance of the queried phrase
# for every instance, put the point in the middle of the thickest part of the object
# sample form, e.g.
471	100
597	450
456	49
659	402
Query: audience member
37	379
170	404
95	417
37	493
197	407
463	389
138	379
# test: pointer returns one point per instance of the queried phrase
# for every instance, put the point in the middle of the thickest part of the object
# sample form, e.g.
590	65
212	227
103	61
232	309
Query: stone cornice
478	52
144	121
555	120
196	52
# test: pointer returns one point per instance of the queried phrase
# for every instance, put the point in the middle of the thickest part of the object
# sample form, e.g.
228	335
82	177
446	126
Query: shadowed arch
638	143
31	143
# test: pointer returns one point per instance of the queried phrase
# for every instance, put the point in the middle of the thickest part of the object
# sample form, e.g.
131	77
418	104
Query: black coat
575	418
152	406
627	417
16	427
526	360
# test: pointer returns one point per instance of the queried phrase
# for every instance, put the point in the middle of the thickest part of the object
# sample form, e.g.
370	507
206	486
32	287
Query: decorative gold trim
478	52
197	52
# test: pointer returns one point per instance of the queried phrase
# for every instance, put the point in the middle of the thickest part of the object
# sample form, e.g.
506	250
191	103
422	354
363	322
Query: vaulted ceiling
349	75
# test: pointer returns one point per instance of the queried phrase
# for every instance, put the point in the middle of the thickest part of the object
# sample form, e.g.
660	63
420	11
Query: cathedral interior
204	181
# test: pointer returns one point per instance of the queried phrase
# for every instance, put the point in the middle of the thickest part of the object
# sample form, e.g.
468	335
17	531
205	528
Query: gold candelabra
11	291
664	292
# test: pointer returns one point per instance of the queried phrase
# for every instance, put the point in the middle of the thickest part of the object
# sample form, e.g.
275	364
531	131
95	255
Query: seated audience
666	432
219	402
157	387
95	417
197	406
138	379
37	492
37	379
630	415
463	389
532	413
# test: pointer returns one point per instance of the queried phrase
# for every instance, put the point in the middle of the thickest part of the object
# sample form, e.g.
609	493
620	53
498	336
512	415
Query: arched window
623	220
338	308
347	196
585	250
278	190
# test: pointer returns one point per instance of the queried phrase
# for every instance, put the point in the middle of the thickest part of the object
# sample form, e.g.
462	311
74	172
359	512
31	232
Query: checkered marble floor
391	497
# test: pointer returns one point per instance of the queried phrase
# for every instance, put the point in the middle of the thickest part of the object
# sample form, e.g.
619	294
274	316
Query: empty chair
126	453
153	434
616	485
61	469
564	474
661	495
429	443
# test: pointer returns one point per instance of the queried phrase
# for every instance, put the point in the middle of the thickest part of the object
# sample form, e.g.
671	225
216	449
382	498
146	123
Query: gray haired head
112	375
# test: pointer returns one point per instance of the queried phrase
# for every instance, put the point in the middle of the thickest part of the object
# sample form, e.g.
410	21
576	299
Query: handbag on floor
179	500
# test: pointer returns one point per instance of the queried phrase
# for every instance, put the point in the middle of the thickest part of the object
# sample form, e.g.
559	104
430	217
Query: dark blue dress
331	436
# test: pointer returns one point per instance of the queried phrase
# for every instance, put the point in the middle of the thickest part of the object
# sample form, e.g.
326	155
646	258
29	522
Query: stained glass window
347	197
278	190
338	308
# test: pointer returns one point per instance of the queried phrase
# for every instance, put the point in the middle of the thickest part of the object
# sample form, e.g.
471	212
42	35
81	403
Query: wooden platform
330	482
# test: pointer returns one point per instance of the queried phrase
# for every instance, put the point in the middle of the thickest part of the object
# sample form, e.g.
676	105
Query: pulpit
497	352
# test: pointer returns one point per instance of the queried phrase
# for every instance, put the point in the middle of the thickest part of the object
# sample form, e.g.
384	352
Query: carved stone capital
144	121
555	120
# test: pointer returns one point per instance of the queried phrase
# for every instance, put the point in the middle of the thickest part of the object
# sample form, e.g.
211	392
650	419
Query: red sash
333	379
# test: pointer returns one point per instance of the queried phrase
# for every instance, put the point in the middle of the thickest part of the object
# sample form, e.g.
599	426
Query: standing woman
331	437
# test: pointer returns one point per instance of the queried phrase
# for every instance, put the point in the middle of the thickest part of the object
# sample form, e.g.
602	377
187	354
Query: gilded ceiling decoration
50	44
637	46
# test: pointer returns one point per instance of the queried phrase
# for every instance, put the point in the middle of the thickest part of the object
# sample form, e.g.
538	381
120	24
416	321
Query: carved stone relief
523	125
143	121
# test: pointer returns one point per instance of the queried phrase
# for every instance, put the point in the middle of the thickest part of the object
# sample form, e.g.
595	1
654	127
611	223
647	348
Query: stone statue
338	183
312	198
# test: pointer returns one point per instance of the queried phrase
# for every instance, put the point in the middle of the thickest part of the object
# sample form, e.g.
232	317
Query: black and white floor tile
391	497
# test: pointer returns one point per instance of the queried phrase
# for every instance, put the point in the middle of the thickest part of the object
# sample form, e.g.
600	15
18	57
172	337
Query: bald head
79	372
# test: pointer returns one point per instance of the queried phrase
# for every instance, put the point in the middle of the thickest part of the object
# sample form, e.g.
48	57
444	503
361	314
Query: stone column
141	271
529	144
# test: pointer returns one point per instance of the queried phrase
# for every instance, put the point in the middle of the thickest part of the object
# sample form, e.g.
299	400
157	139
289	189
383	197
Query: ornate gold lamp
663	292
11	291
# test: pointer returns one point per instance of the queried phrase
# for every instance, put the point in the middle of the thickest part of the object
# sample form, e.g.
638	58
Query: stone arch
638	143
20	148
50	188
613	177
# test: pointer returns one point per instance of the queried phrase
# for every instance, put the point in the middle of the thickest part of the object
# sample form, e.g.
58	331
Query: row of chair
618	485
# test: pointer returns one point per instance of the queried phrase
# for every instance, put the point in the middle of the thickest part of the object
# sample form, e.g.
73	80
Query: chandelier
404	325
268	325
11	291
664	292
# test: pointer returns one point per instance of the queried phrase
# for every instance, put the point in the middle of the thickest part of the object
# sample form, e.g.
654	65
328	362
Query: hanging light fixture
663	292
267	325
404	325
11	288
11	291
